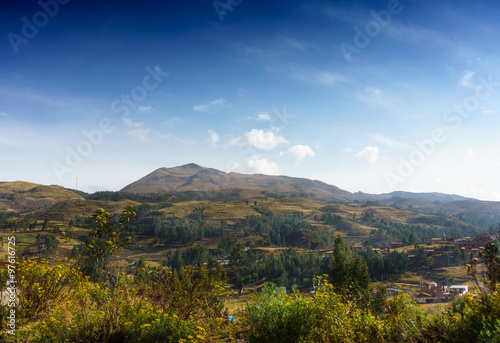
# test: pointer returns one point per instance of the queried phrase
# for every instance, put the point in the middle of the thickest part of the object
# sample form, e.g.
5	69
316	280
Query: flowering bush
40	286
152	325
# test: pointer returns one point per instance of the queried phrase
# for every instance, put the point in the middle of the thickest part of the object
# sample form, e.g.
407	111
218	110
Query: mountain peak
191	166
193	177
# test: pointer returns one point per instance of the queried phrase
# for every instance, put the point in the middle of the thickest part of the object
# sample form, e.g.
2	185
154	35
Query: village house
470	243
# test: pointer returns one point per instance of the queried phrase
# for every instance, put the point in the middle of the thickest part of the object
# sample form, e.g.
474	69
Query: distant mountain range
192	177
19	196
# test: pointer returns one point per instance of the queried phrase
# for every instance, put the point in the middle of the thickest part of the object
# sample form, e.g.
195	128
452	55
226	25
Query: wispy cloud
485	110
413	34
272	59
466	80
217	103
145	109
349	14
315	76
389	141
378	98
3	114
292	43
131	123
140	134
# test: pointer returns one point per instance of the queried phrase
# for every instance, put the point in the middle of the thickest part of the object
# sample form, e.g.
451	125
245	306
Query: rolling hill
22	196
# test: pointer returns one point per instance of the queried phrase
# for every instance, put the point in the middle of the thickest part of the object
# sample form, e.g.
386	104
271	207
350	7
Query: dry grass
238	302
433	307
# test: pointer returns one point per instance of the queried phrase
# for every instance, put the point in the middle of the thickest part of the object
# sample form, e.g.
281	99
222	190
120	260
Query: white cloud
131	123
370	154
470	152
376	97
298	152
412	34
389	141
260	165
466	79
165	136
3	114
220	103
264	117
214	137
348	150
315	76
260	139
485	110
140	134
145	109
293	43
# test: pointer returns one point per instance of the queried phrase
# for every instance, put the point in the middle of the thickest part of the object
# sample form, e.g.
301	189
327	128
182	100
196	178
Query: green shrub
276	317
152	325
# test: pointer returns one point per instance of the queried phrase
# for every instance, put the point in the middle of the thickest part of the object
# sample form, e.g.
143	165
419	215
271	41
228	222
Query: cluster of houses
468	243
473	243
433	293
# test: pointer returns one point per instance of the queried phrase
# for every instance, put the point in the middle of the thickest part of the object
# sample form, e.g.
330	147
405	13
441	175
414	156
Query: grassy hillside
22	196
356	222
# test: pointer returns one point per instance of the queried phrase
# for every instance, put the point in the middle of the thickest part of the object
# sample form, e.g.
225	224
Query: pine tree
349	272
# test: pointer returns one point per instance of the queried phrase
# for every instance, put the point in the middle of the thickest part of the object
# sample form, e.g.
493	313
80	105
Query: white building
459	289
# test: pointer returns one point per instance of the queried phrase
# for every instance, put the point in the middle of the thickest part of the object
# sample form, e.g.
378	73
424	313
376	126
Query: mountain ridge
192	177
21	195
192	181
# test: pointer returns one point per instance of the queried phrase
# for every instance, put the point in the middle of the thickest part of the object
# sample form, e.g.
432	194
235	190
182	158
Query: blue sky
370	96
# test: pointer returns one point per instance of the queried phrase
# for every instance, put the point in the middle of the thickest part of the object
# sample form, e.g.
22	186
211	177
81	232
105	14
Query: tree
195	255
491	258
176	262
45	224
105	242
51	244
238	256
349	271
